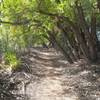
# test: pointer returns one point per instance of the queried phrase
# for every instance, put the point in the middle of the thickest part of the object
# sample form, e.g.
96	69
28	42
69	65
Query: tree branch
15	23
19	23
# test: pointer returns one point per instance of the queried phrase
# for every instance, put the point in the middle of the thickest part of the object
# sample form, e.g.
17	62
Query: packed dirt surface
46	75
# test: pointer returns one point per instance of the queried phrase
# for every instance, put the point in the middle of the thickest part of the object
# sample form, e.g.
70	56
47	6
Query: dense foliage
69	25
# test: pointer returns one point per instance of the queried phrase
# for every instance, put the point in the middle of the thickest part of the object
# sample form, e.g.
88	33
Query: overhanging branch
15	23
19	23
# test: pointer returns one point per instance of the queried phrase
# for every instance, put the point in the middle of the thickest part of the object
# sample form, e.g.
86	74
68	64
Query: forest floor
46	75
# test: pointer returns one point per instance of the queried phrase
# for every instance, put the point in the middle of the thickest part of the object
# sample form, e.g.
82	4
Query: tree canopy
69	25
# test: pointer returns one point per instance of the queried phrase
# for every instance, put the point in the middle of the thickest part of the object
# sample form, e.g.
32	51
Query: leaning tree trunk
71	40
88	36
75	29
93	29
54	41
86	39
67	41
93	33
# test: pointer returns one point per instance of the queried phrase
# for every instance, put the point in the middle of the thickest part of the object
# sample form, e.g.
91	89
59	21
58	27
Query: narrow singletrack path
52	78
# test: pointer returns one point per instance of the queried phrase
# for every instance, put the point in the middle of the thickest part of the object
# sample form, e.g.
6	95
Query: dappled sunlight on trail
50	77
48	89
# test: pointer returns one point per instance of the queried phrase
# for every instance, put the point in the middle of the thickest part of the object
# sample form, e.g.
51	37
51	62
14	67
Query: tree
69	25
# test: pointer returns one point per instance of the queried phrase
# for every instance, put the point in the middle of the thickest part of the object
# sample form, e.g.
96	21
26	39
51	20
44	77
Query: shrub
11	60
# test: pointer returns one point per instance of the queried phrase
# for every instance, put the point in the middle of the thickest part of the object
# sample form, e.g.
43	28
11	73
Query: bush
11	60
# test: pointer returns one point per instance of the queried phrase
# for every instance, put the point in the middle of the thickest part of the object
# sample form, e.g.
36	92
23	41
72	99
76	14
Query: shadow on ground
46	75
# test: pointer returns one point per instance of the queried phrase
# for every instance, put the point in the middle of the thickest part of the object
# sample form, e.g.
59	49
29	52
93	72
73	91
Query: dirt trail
52	78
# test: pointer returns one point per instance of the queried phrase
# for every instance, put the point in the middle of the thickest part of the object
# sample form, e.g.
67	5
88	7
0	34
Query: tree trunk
60	47
67	41
89	38
94	36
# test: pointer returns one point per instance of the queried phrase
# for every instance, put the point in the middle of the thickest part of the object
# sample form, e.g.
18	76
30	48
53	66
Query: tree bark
89	38
94	36
67	40
67	56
